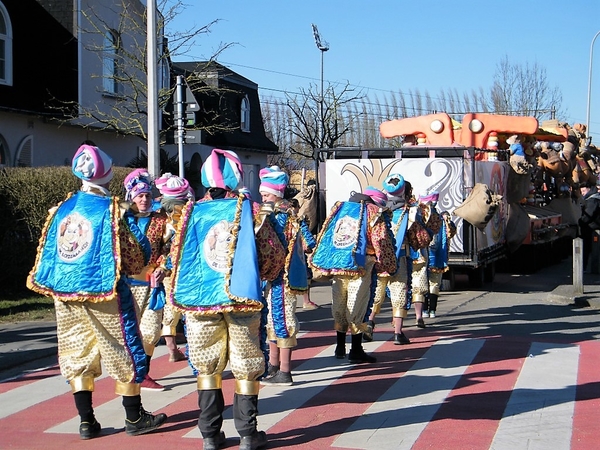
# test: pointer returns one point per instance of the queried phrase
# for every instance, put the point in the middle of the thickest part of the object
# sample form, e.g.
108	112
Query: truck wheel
476	277
449	280
489	272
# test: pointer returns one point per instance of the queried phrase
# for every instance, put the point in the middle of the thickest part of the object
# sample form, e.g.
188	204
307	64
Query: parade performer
397	284
354	246
438	251
282	324
146	287
423	225
220	255
88	246
175	193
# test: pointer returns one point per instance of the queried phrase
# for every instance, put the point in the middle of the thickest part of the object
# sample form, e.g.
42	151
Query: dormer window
5	47
245	115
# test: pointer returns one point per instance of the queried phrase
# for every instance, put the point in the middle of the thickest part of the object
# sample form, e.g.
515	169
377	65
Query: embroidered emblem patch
217	246
346	232
74	238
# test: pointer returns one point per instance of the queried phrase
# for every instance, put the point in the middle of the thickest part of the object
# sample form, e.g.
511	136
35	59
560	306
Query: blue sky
386	45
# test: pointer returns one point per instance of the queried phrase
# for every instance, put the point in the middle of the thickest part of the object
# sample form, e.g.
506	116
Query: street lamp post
589	97
320	131
323	47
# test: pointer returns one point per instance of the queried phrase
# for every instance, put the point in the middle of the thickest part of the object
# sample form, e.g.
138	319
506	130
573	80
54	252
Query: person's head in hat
92	166
138	189
222	172
430	198
174	187
586	189
395	188
377	196
273	182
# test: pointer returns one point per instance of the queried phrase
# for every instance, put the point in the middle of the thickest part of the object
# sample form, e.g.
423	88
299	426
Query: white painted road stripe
542	402
397	418
310	378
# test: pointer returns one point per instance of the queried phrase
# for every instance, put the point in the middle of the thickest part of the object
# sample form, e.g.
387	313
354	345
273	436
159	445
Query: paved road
513	366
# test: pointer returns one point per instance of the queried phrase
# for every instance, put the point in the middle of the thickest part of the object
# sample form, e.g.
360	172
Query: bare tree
127	77
523	90
309	128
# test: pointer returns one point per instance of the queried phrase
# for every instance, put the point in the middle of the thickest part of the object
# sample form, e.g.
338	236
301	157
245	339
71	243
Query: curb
565	295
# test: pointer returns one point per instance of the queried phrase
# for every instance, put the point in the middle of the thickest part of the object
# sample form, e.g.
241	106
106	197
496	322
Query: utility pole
151	57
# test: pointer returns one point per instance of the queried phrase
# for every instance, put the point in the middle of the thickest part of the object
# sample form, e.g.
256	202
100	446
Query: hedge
26	195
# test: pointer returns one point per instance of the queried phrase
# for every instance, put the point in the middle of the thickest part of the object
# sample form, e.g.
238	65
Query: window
110	62
5	47
245	115
4	155
24	157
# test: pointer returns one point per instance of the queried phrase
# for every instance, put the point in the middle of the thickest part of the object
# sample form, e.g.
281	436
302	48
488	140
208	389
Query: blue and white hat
394	185
273	180
222	169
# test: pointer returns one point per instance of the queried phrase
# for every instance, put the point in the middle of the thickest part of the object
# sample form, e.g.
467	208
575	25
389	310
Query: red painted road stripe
470	415
586	432
322	418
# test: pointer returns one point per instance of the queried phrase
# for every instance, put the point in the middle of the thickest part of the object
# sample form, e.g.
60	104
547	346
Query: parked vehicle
452	158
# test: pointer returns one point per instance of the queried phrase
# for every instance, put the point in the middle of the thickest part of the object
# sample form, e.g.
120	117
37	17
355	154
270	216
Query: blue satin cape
76	258
205	284
343	252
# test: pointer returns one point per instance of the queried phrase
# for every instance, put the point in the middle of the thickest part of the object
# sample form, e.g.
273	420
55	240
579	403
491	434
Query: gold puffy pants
215	340
420	282
351	297
397	285
171	315
89	333
150	321
435	282
291	320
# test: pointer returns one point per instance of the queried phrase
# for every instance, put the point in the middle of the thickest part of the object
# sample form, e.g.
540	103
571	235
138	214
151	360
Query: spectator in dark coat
590	218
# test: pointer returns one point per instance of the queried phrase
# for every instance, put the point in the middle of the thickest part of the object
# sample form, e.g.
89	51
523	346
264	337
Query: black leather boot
357	354
340	348
433	301
210	420
245	411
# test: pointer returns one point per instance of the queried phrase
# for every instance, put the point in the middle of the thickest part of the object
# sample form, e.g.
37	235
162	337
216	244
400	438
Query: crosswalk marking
310	378
539	413
396	419
482	393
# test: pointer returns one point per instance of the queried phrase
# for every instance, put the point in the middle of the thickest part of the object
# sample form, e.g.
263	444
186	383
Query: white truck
451	158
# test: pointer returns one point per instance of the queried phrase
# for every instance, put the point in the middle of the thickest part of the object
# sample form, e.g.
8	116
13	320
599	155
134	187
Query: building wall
53	145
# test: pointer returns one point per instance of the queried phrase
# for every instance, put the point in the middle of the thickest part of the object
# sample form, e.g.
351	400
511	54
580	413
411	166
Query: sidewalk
28	346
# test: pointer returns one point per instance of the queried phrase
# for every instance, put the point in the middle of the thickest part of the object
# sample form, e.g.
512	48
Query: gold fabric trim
399	312
435	290
82	383
127	389
418	298
290	342
209	382
149	349
169	331
245	387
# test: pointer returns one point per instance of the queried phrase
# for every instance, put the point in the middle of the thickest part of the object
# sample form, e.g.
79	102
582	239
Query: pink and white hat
432	197
376	195
273	180
137	182
222	169
173	186
92	165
